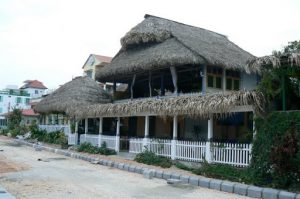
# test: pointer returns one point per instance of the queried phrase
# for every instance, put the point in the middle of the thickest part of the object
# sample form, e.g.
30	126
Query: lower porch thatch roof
196	106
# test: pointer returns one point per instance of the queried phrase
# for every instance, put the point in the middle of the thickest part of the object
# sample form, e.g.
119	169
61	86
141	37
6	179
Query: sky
50	40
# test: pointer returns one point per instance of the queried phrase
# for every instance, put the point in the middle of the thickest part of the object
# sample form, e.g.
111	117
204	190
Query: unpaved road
61	177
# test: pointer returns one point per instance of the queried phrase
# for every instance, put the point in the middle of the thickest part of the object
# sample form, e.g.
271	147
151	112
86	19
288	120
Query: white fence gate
233	154
190	150
136	145
71	139
109	140
90	138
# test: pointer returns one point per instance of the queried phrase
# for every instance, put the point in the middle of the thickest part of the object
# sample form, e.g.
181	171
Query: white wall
35	92
10	101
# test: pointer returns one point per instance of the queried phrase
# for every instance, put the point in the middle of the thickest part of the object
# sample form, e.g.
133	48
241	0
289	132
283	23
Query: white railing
190	150
90	138
136	145
233	154
160	147
52	128
71	139
110	141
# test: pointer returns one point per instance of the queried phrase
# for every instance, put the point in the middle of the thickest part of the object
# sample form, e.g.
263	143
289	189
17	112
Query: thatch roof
274	61
80	91
198	106
160	43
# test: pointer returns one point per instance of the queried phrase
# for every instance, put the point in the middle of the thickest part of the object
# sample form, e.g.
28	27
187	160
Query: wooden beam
174	78
131	86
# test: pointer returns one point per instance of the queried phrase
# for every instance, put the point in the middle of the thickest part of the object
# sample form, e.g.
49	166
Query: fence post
208	154
118	136
146	136
76	133
173	141
100	131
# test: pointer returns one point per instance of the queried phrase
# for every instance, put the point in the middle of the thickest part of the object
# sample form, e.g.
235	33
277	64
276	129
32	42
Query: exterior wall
8	102
195	129
90	66
35	92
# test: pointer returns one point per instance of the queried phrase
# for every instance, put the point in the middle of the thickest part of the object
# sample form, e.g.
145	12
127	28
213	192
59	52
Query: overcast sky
50	40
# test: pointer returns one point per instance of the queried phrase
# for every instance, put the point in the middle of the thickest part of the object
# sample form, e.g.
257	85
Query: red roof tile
29	112
33	84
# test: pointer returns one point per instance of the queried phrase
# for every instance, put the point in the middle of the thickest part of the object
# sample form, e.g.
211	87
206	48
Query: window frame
215	73
233	78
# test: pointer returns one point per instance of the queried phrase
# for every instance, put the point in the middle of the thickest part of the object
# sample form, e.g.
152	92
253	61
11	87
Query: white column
100	131
76	133
86	128
173	141
146	139
174	78
208	155
118	135
53	119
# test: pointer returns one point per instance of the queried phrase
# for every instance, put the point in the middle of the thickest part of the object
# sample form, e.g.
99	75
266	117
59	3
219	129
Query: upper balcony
183	80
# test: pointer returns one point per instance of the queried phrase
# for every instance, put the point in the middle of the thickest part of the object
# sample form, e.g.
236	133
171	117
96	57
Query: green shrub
179	165
150	158
224	172
89	148
275	153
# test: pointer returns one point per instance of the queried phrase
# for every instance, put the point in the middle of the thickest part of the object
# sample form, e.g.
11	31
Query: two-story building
35	88
189	95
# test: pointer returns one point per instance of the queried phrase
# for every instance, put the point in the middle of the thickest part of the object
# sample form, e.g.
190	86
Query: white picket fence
110	141
190	150
90	138
233	154
135	145
195	151
71	139
52	128
160	147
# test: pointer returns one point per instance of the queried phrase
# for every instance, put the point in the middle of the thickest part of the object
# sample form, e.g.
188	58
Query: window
1	98
1	110
233	80
19	100
214	77
89	73
27	100
36	92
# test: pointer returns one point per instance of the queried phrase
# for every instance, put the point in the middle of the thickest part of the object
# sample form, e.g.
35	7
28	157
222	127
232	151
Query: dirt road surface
61	177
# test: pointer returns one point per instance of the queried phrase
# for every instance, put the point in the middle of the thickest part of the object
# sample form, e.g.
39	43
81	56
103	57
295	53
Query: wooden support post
86	128
150	84
131	86
174	78
204	82
100	131
174	140
162	85
118	135
146	137
224	79
208	152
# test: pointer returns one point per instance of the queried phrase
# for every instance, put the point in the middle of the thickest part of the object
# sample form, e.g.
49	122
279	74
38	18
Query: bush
224	172
150	158
275	153
89	148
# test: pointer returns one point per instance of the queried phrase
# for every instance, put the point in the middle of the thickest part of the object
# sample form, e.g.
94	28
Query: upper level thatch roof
198	106
160	43
78	92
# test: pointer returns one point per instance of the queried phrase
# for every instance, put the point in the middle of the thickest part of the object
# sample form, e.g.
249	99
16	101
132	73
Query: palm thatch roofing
260	64
197	106
80	91
157	43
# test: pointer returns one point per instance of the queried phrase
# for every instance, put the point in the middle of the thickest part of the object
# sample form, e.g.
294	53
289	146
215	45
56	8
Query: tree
14	119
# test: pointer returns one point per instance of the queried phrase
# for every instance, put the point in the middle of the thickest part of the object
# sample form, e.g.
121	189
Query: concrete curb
225	186
4	194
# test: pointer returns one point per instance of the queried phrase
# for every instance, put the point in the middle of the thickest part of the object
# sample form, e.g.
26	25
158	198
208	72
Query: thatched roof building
198	106
80	91
158	43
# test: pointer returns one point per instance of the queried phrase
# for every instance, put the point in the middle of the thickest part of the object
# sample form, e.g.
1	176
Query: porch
179	138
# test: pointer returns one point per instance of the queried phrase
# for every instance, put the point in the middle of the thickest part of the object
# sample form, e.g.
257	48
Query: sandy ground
60	177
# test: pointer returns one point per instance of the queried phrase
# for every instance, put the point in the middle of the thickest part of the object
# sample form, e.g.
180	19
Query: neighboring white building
34	87
94	63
